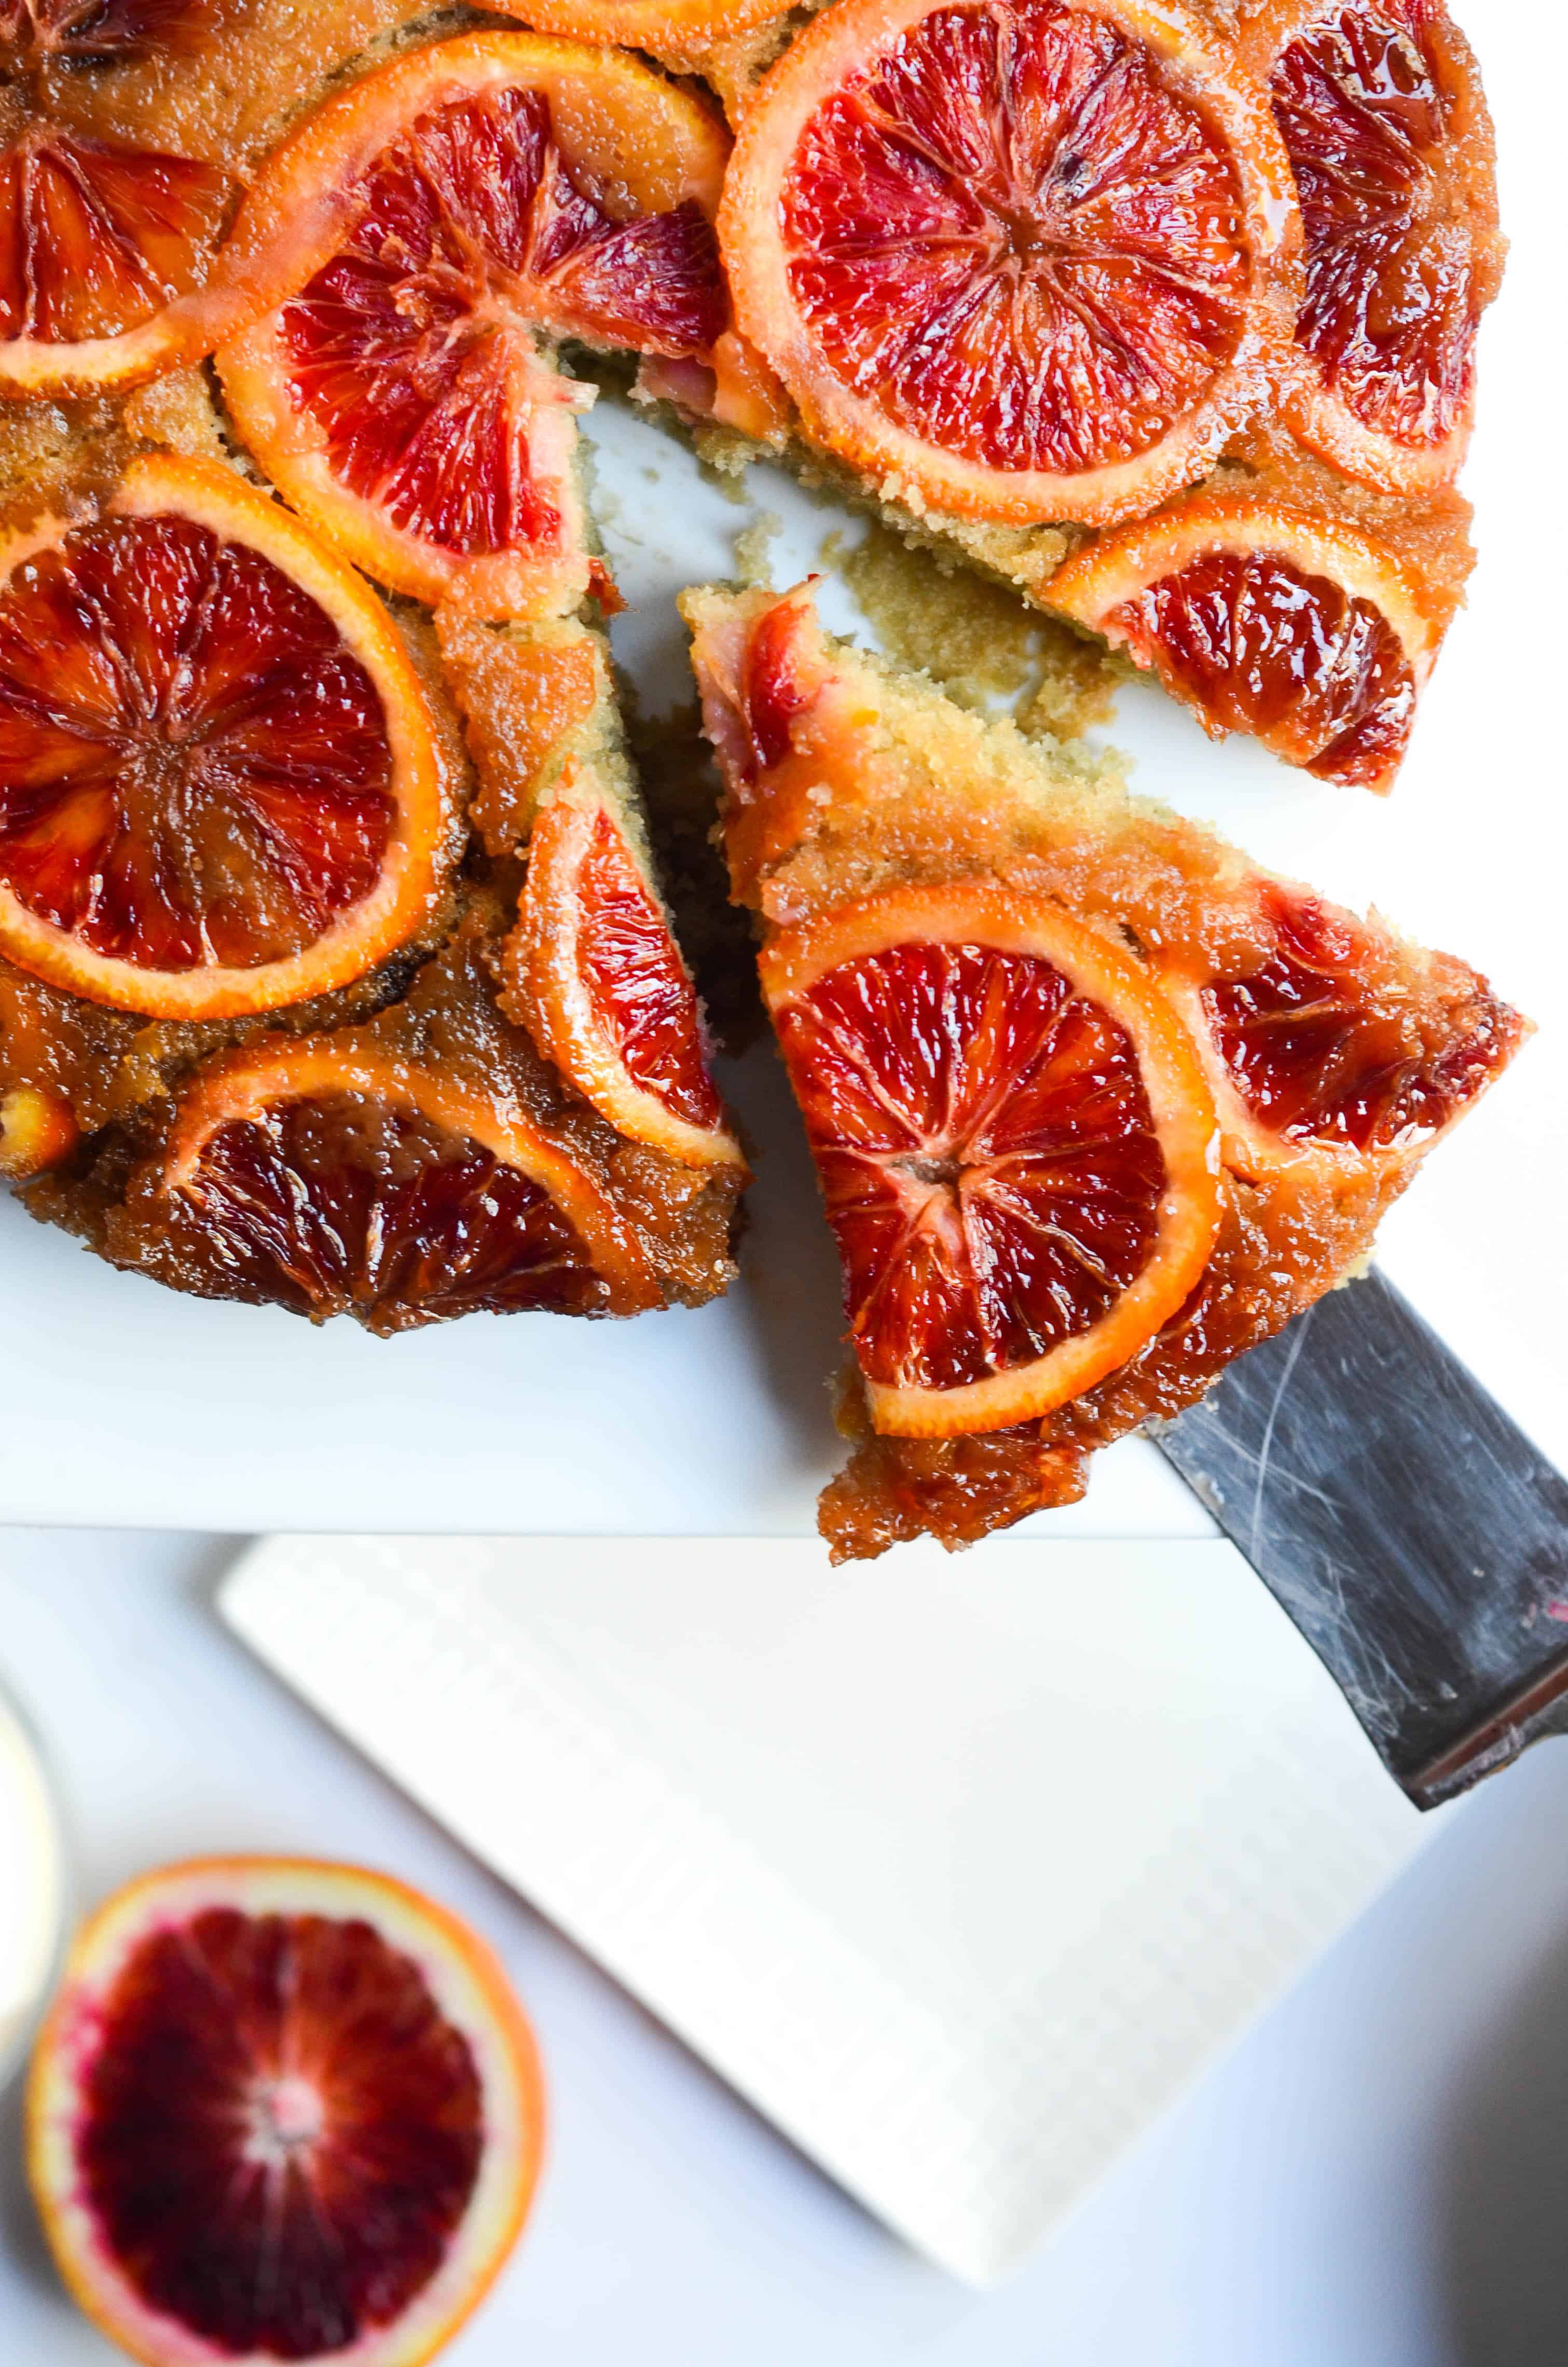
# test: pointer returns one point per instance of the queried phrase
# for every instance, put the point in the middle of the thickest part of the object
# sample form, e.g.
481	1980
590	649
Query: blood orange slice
281	2110
1380	108
331	1180
1018	259
682	27
1317	1061
432	234
220	785
37	1129
104	257
1015	1141
595	975
1309	635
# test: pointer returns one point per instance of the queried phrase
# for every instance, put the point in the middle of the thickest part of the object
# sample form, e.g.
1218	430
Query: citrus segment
103	252
1308	1058
220	789
92	32
1015	1143
436	231
1379	106
282	2111
37	1129
330	1181
595	975
1015	255
1307	636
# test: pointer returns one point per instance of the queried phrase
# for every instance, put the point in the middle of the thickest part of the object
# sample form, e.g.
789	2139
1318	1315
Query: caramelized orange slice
1015	1141
1021	260
595	975
428	237
220	786
283	2109
332	1180
1309	635
1316	1062
1381	109
104	257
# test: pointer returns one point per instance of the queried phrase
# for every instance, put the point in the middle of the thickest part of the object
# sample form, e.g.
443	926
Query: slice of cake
1095	1104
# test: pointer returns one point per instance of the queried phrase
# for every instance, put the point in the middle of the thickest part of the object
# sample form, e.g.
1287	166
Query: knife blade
1409	1528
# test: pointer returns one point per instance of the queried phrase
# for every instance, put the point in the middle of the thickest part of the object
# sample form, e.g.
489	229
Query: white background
1377	2177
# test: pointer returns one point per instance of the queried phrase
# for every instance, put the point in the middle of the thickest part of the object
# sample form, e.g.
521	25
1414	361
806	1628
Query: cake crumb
977	642
754	544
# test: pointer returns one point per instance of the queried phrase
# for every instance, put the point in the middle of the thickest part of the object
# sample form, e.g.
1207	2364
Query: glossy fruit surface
1379	106
598	979
220	789
1306	636
1309	1056
281	2110
332	1180
1014	1140
434	232
1016	256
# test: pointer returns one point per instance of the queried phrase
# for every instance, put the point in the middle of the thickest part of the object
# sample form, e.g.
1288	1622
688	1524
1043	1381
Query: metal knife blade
1414	1534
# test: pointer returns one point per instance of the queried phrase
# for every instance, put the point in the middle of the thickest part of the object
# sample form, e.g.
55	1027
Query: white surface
717	1422
1374	2178
32	1883
958	1872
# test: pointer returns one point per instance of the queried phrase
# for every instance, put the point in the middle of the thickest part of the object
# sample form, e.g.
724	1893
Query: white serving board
121	1403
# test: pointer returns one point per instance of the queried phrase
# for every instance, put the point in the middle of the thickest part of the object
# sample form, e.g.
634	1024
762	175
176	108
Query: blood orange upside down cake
1095	1104
333	968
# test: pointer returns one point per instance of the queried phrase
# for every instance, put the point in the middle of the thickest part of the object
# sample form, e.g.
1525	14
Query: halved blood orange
429	238
220	785
1313	1064
595	975
1017	259
105	251
1014	1138
331	1180
281	2110
1381	109
1307	633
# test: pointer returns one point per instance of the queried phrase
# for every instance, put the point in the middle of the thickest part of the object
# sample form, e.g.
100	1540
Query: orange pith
1308	635
658	25
282	2109
428	237
1311	1069
1014	1138
105	248
338	1180
221	790
1019	259
595	975
1379	106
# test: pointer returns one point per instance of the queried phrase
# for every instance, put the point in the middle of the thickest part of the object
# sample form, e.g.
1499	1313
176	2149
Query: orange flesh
298	2184
194	770
1019	239
986	1151
642	999
335	1203
1317	1060
1259	645
414	349
95	239
1364	100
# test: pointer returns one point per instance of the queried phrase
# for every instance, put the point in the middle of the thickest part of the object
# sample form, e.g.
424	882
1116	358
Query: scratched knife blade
1414	1534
